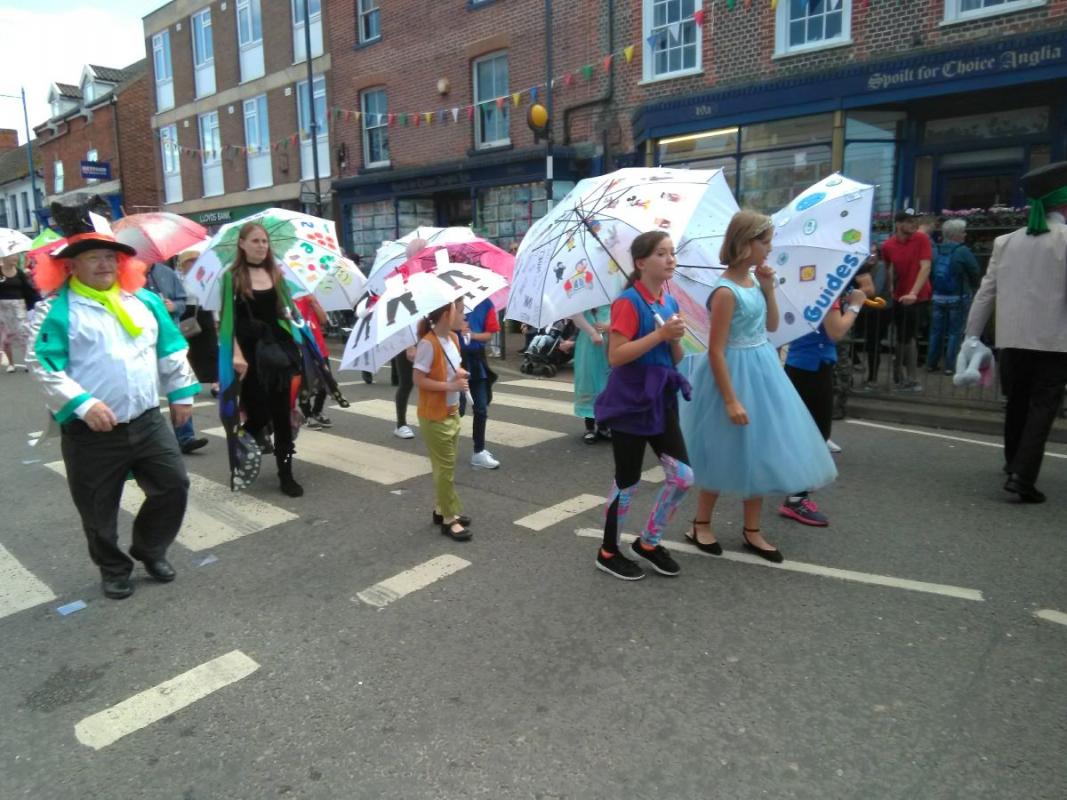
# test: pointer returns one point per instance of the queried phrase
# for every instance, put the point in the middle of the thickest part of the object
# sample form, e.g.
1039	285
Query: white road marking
957	592
19	588
214	515
108	726
653	474
392	589
547	517
198	404
533	383
367	461
1052	616
497	432
533	403
933	435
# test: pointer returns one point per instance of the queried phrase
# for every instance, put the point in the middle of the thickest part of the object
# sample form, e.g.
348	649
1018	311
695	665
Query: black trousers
816	389
265	408
97	467
405	381
1033	382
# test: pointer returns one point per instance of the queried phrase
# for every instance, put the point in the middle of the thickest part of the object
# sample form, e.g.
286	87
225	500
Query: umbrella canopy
577	256
478	253
385	323
305	247
820	240
393	253
159	235
13	242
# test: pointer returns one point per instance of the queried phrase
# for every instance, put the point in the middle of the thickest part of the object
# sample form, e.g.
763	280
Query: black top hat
84	224
1045	180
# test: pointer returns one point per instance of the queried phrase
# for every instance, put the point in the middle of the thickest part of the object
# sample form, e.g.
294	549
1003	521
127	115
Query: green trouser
442	439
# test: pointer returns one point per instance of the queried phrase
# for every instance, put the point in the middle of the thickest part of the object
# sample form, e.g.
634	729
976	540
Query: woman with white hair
953	277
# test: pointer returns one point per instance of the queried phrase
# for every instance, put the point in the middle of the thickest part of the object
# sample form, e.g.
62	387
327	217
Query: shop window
300	23
250	39
671	38
1040	155
769	181
369	21
164	75
995	125
963	10
203	53
257	140
172	167
697	146
491	120
57	177
873	163
812	24
875	125
787	132
375	128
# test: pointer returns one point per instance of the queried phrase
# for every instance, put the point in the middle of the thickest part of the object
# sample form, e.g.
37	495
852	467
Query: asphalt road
526	673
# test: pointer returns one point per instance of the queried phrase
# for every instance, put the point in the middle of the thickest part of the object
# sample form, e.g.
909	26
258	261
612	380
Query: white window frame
164	77
297	8
257	140
781	32
92	154
953	14
250	51
88	92
58	177
381	121
322	141
210	158
479	143
170	159
648	53
363	12
203	65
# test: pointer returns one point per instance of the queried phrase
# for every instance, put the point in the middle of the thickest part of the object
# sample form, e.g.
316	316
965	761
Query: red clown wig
49	273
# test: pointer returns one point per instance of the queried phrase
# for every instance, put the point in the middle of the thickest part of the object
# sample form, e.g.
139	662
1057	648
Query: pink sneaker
804	511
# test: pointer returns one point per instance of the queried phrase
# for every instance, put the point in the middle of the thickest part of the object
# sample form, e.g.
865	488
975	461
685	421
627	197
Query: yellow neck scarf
110	299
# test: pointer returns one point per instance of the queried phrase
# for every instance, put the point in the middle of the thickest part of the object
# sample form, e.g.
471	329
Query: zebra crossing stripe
370	462
214	515
547	385
528	403
498	431
19	588
392	589
547	517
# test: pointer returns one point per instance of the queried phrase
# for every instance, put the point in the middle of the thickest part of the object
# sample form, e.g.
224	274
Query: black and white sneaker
619	566
659	558
322	419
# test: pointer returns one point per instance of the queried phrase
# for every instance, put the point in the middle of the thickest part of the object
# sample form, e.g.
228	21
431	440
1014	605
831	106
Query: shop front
217	217
500	197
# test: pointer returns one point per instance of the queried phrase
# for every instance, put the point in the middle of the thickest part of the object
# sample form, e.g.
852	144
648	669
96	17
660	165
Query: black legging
403	367
262	408
816	389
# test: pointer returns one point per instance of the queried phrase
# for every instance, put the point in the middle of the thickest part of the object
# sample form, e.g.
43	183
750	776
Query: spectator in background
480	325
953	277
162	280
874	321
203	346
907	254
17	296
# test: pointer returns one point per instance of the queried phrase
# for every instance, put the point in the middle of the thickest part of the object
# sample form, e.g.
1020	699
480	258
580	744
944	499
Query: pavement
338	646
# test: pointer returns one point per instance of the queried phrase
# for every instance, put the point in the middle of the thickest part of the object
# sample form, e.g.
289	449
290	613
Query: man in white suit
1027	282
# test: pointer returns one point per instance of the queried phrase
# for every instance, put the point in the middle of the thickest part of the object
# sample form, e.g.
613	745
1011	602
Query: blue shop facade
946	130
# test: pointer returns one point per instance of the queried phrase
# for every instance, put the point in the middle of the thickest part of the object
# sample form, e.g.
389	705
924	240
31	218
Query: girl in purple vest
640	406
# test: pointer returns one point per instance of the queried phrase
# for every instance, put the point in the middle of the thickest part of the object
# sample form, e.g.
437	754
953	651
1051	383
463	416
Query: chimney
9	139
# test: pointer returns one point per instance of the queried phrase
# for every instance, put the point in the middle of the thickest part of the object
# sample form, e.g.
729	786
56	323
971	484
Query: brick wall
73	140
136	158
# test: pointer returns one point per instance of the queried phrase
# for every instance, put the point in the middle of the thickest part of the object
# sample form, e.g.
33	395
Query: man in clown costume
100	346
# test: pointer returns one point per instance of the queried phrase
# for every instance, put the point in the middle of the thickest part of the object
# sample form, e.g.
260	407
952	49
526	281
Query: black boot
288	484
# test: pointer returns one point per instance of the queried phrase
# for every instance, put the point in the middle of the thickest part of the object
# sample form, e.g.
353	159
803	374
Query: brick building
942	103
230	107
17	203
96	139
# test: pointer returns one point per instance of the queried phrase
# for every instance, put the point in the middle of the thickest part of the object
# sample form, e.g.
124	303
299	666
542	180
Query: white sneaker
832	446
22	367
404	432
484	460
10	368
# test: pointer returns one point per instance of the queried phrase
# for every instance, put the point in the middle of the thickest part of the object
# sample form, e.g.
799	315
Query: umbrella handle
875	302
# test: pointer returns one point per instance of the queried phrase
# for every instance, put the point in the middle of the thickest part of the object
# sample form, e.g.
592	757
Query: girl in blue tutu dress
747	431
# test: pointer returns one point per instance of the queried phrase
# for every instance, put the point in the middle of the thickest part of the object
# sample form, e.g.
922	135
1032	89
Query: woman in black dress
265	355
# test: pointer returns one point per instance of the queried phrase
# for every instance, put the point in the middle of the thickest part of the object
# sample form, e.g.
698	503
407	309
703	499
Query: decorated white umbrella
820	241
13	242
577	256
394	252
306	247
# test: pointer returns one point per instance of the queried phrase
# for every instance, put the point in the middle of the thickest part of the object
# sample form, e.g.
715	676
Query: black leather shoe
462	535
464	520
158	568
193	445
1027	492
117	588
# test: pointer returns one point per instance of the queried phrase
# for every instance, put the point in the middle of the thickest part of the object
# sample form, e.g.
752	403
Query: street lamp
29	152
548	103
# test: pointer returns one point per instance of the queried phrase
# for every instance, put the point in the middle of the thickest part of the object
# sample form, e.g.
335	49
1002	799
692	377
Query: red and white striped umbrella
158	235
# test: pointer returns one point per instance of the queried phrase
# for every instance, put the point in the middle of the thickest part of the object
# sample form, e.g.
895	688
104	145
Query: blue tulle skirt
780	451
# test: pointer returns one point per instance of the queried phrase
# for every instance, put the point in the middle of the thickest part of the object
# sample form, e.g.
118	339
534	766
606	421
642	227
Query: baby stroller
543	357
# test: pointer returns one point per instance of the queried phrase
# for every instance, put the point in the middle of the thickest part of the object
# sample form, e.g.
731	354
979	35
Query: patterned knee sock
679	479
615	514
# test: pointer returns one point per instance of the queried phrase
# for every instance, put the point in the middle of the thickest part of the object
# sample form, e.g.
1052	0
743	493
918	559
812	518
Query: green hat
1045	187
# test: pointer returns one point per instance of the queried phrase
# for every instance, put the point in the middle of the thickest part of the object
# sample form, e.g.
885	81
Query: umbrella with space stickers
305	247
394	252
820	241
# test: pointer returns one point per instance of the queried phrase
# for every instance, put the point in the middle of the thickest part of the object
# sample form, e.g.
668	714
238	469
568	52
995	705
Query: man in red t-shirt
907	255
